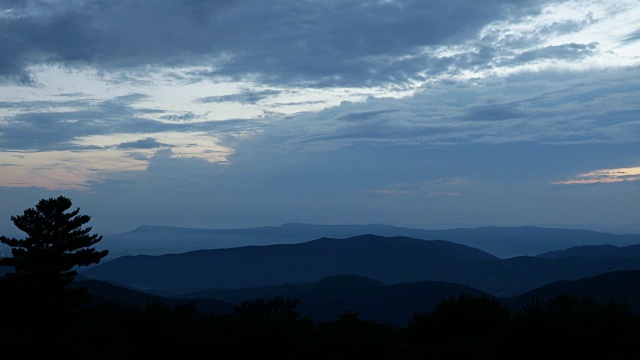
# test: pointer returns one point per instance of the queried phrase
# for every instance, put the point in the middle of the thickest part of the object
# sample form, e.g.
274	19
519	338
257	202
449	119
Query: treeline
460	328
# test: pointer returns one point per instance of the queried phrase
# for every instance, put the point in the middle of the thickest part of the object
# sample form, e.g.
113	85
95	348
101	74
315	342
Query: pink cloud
604	176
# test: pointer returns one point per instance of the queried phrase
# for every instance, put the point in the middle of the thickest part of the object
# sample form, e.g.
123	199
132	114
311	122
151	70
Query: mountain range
386	259
391	260
503	242
621	286
383	276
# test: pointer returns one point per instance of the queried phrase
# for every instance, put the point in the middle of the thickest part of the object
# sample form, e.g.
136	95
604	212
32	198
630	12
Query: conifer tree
55	244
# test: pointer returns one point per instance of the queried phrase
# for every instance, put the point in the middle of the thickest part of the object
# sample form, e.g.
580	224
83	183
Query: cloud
67	144
245	97
63	169
632	37
310	44
302	42
560	52
98	157
604	176
182	117
49	125
148	143
298	103
545	107
440	187
56	125
494	112
330	109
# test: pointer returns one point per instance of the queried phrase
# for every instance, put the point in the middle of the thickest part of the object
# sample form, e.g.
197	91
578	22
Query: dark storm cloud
305	42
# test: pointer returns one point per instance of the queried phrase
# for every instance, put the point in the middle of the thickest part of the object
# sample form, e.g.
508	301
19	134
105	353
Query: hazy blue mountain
591	251
387	259
509	277
328	298
390	260
503	242
326	288
619	286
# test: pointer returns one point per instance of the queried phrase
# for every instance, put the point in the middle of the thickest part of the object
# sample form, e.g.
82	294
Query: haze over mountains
387	259
595	251
390	260
384	277
503	242
619	286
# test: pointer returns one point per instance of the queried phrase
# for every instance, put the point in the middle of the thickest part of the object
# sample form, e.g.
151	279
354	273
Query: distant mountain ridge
387	259
594	251
508	277
390	260
621	286
503	242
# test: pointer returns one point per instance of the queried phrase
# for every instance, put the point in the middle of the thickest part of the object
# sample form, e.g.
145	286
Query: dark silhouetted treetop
56	243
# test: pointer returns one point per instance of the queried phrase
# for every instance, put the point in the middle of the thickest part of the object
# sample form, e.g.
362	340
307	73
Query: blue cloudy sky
225	113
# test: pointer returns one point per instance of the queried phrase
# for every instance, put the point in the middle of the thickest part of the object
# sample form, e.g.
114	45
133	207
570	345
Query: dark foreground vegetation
42	316
464	327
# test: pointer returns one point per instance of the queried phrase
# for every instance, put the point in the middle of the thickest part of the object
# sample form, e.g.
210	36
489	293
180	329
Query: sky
231	114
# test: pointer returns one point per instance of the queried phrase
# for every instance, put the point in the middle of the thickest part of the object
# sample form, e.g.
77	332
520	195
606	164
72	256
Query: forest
460	328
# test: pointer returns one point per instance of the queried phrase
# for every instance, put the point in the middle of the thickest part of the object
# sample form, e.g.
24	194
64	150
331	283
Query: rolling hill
328	298
595	251
390	260
619	286
509	277
386	259
105	292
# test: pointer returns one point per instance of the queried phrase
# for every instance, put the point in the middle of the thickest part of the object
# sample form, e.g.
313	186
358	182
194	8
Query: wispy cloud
245	97
440	187
147	143
64	169
604	176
